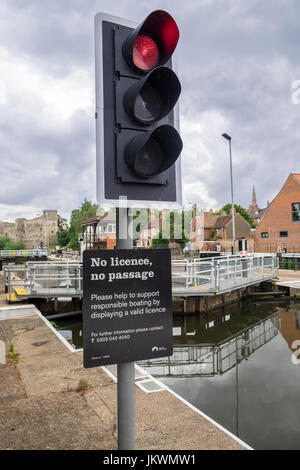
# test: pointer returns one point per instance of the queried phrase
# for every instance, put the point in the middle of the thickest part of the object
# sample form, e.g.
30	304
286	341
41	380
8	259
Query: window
110	228
283	234
264	234
296	211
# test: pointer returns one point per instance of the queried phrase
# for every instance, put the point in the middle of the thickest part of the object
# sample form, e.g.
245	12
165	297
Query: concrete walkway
288	278
49	401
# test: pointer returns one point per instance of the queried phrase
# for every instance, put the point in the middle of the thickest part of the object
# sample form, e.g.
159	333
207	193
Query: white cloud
203	146
11	212
60	96
236	71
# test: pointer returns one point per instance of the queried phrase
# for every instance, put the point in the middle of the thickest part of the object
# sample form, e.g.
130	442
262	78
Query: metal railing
218	358
44	279
224	273
24	253
189	277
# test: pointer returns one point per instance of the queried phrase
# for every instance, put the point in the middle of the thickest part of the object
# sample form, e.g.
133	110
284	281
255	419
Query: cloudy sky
239	65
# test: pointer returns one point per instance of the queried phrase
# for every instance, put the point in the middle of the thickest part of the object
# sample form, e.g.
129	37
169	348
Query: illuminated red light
145	53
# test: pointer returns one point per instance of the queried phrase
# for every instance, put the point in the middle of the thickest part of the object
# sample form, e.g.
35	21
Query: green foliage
63	237
159	241
8	244
13	356
177	226
82	387
140	220
3	241
62	223
226	210
213	235
86	210
68	234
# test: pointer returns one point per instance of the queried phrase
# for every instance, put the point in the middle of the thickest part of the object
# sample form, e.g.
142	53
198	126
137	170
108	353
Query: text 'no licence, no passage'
127	306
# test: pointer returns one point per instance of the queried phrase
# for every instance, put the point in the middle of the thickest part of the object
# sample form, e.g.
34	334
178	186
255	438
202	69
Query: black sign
127	306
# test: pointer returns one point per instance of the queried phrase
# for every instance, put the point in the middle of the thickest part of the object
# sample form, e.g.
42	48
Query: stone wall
33	232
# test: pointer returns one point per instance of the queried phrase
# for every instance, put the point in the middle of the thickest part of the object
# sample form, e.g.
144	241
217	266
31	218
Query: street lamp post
227	137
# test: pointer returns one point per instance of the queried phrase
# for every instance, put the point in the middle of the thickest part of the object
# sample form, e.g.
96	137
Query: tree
86	210
62	223
227	208
7	244
3	242
177	226
63	235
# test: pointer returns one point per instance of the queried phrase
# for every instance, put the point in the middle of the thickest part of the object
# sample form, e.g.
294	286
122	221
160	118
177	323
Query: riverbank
49	401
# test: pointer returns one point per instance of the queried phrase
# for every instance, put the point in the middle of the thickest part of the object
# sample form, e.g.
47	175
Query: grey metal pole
232	203
126	387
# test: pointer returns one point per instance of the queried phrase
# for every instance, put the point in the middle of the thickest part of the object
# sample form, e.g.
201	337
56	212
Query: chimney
231	211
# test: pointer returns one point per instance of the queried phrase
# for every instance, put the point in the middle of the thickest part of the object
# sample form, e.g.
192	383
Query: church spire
254	206
254	201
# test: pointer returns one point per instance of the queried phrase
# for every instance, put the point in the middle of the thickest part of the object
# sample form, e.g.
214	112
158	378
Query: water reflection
235	365
71	330
213	344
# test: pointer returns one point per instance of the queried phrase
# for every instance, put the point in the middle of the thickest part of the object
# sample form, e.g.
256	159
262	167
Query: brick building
279	228
290	326
217	232
33	232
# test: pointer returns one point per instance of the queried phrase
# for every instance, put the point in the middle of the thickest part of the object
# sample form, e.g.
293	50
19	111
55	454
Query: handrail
208	275
24	253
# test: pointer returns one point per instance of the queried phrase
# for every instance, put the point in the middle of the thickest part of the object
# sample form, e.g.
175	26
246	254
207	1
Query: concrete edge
219	426
162	386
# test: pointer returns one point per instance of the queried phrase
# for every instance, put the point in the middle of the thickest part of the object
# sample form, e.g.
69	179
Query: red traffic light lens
145	53
152	43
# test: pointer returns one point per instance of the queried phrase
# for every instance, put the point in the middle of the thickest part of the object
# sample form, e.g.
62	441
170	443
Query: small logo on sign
155	348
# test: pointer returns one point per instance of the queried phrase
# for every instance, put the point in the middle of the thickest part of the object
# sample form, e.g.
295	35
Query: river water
235	364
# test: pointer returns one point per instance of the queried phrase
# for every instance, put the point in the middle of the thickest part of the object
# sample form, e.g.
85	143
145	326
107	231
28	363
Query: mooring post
126	390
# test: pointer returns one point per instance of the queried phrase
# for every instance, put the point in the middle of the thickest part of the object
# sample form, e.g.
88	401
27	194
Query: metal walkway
39	252
197	277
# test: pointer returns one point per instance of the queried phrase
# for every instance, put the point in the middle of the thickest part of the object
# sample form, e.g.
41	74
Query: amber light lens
145	53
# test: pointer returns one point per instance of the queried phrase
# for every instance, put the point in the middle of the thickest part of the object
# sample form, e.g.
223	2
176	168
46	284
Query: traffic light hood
151	153
152	43
152	98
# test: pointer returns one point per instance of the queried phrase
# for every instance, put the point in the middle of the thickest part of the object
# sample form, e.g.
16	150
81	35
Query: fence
23	253
223	273
289	261
189	277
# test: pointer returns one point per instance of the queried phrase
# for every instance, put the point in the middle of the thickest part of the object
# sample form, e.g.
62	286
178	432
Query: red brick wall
278	218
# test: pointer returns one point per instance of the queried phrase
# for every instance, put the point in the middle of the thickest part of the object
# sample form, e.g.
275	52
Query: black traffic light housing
138	145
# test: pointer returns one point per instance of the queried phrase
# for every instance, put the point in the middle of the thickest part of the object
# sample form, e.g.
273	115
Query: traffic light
138	144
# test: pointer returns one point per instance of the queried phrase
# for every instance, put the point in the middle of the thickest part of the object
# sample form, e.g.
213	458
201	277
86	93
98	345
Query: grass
55	325
83	386
12	355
